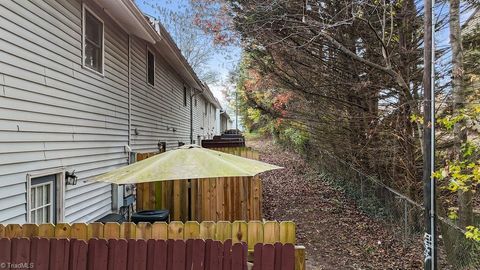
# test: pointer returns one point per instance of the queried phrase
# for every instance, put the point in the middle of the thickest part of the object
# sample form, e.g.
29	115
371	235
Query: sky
221	62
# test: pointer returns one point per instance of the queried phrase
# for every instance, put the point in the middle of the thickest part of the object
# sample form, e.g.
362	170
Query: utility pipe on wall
195	93
129	96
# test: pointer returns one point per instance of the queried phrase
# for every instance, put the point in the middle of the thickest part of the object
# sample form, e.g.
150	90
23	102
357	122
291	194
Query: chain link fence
403	216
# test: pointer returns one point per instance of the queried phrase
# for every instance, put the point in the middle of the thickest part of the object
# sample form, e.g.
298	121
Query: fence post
299	258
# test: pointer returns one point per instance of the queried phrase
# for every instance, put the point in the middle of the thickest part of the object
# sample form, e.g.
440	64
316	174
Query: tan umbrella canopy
186	162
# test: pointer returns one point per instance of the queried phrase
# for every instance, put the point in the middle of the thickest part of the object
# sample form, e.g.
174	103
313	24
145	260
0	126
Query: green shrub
294	139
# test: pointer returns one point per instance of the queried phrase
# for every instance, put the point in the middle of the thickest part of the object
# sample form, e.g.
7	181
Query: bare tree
196	46
459	98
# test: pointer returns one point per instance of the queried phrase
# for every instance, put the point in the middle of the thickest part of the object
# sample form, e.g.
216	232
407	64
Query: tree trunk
460	132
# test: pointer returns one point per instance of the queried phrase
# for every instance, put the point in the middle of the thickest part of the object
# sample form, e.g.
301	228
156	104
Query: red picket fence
138	254
274	257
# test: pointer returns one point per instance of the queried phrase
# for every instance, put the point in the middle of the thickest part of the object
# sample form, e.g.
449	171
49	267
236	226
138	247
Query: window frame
50	204
146	66
85	8
59	188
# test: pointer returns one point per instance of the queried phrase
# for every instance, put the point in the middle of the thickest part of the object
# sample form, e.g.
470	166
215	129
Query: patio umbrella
186	162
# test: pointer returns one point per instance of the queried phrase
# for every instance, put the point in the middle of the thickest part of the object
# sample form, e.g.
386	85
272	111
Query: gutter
132	7
131	19
210	97
226	115
127	15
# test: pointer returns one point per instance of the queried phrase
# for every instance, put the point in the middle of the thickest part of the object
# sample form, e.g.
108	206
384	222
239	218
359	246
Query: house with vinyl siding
83	85
207	116
225	122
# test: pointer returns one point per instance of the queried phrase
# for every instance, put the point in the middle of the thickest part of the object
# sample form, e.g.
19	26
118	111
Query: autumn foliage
343	77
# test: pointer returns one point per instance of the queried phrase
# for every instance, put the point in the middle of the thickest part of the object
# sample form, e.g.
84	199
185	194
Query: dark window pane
93	29
32	197
39	196
150	68
39	217
184	96
47	215
93	57
93	42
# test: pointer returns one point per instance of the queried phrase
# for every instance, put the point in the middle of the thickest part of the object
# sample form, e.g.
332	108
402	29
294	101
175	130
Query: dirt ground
336	234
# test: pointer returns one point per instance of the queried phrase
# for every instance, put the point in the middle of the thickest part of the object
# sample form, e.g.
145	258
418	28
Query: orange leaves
281	101
213	16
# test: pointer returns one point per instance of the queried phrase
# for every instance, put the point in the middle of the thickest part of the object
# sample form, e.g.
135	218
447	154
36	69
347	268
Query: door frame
59	191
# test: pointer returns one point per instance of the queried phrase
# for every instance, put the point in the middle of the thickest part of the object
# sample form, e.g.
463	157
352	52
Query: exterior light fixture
71	178
162	146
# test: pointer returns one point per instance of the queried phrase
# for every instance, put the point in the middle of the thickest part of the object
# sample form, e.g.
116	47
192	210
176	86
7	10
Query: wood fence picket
121	254
40	254
251	232
215	199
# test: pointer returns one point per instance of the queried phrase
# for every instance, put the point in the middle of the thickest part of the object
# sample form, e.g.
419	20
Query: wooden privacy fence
121	254
252	232
246	152
224	198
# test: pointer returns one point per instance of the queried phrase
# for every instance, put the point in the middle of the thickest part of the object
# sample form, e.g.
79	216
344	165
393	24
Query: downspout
129	96
191	118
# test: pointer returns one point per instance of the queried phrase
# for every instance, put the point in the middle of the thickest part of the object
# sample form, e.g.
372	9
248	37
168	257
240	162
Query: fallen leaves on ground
336	234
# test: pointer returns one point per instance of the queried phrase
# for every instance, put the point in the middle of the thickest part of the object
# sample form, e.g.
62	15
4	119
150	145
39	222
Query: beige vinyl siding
56	114
209	121
53	112
205	125
157	110
210	125
199	119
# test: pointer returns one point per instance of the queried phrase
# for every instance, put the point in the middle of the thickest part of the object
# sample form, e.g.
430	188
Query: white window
93	43
45	196
42	202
